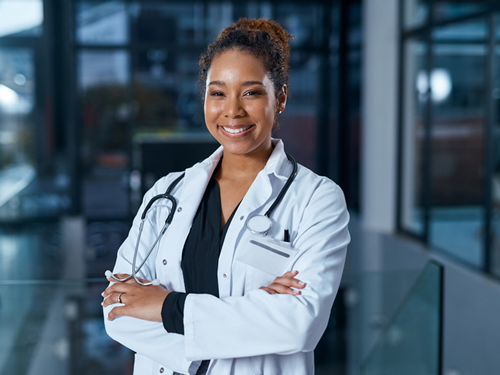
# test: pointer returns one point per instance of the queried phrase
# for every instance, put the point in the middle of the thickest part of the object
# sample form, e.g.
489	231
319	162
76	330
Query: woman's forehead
235	66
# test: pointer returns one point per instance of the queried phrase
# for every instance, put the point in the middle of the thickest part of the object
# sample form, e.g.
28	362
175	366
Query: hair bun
273	28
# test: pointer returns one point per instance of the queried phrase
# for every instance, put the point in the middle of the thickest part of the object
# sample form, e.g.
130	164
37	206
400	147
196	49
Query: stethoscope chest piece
259	225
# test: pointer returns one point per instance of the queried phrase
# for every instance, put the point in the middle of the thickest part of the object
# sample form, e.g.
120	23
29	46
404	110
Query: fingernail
102	294
296	292
301	283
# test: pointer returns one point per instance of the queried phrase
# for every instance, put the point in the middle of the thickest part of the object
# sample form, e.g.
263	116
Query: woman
219	308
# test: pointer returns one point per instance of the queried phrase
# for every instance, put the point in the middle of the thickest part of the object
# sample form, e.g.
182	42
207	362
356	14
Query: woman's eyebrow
247	83
218	83
251	83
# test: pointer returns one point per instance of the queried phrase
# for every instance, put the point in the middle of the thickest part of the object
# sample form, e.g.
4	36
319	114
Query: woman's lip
233	127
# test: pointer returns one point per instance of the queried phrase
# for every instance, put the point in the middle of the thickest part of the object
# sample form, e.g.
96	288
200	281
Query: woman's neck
242	167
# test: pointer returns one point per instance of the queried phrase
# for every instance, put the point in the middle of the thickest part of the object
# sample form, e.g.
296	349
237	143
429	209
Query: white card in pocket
267	255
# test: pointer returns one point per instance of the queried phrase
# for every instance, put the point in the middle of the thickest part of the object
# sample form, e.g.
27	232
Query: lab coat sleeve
259	323
147	338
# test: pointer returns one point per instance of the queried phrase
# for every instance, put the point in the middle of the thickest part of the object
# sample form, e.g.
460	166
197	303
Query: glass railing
364	306
56	327
411	343
381	323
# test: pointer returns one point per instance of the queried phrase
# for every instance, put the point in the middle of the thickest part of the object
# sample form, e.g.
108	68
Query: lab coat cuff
189	316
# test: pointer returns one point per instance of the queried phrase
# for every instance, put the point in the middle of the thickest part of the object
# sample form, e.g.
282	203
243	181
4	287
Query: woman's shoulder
308	180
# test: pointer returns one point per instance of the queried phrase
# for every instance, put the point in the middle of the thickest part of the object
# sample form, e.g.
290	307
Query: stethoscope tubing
285	188
167	195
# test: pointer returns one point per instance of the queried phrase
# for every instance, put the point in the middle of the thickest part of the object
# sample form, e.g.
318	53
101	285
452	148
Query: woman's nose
233	108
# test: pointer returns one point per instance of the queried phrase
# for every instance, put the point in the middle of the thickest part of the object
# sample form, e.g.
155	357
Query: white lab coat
246	330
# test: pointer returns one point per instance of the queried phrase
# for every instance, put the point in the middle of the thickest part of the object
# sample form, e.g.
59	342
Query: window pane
103	82
103	68
104	23
167	94
445	9
495	178
17	128
218	16
416	12
21	17
180	24
458	97
471	31
259	10
298	121
302	22
415	94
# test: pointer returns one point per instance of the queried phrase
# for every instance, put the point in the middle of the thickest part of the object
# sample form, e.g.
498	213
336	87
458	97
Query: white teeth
236	131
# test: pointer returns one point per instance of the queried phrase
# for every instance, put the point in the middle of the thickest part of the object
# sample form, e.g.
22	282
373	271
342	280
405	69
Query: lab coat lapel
189	195
194	186
255	202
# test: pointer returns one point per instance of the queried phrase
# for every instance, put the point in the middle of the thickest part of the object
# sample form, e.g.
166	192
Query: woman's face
240	103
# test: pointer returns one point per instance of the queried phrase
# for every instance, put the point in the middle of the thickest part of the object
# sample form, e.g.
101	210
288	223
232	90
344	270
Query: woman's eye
216	93
252	93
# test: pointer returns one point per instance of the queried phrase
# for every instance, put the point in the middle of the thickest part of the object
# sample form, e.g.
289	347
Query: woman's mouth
236	130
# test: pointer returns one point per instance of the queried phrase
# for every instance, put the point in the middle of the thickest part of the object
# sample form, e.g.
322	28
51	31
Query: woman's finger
290	273
288	279
117	311
119	288
289	282
112	299
282	289
269	290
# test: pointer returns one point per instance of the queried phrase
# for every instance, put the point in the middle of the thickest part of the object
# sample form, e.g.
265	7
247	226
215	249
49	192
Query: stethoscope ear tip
155	282
108	273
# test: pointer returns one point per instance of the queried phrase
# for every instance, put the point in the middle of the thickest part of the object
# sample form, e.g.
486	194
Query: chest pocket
268	255
262	261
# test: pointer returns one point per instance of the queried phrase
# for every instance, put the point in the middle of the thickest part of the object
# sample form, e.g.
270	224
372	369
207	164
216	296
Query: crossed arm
145	302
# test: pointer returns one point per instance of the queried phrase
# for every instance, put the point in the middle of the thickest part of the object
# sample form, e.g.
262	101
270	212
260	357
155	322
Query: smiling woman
225	300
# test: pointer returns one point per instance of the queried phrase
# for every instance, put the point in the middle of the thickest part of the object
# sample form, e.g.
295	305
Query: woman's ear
281	100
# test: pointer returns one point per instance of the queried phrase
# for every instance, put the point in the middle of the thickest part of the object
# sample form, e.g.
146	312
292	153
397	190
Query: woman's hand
284	284
142	302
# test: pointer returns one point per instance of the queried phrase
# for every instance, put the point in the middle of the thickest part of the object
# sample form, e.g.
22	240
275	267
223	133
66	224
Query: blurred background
395	100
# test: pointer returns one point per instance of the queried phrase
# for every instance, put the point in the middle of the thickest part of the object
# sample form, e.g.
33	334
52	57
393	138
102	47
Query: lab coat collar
278	162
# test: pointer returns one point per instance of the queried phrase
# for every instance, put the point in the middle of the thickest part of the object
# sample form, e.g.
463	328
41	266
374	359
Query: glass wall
494	180
458	139
448	129
415	96
137	72
87	86
33	182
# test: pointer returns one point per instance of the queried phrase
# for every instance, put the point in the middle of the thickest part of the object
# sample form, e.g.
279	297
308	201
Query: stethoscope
258	224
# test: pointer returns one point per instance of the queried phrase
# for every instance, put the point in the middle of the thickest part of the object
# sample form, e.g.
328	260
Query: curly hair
264	39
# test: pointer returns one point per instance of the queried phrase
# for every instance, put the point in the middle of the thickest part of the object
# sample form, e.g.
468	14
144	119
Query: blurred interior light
8	97
441	84
12	103
20	79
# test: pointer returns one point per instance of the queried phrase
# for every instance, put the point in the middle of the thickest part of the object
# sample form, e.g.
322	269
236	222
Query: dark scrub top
200	258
